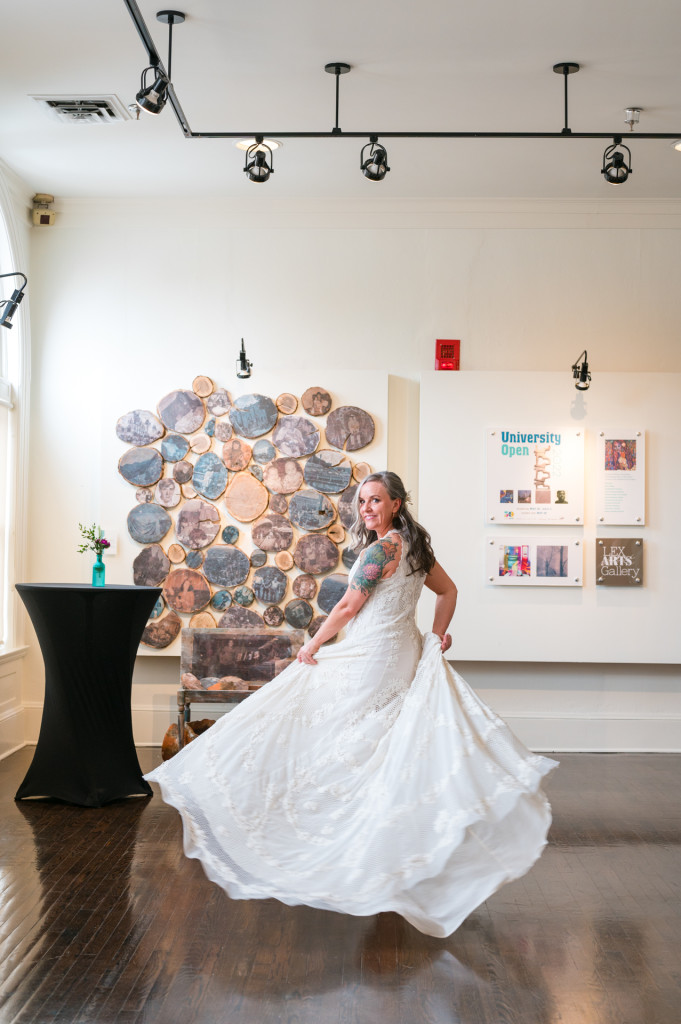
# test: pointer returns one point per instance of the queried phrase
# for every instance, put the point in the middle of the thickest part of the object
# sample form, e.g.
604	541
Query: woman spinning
367	776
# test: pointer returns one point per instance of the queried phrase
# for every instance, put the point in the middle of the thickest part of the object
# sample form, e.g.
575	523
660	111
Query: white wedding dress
376	780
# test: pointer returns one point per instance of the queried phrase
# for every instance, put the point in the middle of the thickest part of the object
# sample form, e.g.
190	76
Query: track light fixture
152	98
8	307
375	165
615	167
243	365
580	372
255	164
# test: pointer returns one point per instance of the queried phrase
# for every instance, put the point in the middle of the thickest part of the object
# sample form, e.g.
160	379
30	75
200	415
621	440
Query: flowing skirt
321	791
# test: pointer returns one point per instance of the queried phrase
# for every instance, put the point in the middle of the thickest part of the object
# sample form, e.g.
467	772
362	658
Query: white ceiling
432	65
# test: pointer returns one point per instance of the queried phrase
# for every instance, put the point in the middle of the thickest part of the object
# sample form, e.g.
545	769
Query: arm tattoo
372	565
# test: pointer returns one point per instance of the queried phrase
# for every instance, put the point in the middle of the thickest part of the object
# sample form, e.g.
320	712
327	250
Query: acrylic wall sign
619	562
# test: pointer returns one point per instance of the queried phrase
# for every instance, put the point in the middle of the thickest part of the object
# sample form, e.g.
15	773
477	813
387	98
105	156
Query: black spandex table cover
89	638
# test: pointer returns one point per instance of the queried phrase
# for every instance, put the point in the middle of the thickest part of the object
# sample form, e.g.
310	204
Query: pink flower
371	571
104	543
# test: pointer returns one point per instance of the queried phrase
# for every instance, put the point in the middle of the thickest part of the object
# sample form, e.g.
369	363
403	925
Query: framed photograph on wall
534	562
535	476
621	476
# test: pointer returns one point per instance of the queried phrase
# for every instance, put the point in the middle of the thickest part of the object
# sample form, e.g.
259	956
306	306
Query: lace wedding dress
376	780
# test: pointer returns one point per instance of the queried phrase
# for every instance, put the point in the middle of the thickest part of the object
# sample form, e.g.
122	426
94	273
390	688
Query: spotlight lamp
152	98
255	165
580	372
375	165
243	365
8	307
615	167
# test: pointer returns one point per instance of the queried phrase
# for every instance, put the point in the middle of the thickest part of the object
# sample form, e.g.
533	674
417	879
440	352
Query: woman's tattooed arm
373	565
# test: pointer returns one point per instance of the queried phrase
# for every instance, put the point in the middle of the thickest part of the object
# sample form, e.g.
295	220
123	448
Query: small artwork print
524	497
561	498
506	497
552	560
514	560
620	455
542	497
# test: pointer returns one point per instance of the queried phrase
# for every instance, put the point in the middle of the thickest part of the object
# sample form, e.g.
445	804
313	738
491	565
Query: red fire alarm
447	354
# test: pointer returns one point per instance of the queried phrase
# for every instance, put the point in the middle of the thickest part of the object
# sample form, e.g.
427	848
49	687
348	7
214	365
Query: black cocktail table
89	638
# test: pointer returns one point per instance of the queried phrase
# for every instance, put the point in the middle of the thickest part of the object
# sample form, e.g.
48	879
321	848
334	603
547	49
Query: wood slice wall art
139	427
245	489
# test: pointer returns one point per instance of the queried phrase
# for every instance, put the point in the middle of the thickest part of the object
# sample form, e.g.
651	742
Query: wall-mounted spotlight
580	372
8	307
615	167
152	98
255	164
243	365
375	165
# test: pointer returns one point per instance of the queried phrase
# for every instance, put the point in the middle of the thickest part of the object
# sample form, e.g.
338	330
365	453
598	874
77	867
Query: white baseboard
12	726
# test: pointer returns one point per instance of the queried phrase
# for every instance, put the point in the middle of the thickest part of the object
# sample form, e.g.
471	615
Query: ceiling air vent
83	109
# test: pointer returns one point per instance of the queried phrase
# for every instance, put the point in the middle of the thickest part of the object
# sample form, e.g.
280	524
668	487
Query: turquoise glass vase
98	571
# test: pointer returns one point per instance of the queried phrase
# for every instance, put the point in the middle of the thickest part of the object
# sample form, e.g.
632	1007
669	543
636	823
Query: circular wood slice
182	411
287	403
305	586
139	427
253	415
346	506
361	470
236	454
223	431
296	436
144	495
256	471
258	558
328	471
141	466
189	492
210	476
298	613
316	401
269	584
230	534
332	588
168	492
315	553
283	476
202	620
272	533
246	498
221	600
182	472
174	447
161	632
194	559
200	443
316	624
264	451
219	403
283	560
150	567
186	591
273	616
176	553
159	607
349	557
237	617
149	523
210	427
311	510
336	533
203	386
350	428
198	524
278	503
226	566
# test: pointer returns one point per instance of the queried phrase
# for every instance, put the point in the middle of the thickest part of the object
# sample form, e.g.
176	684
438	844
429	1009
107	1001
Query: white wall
119	290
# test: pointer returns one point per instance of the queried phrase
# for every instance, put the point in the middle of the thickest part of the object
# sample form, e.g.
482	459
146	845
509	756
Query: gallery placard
535	476
534	562
619	562
621	488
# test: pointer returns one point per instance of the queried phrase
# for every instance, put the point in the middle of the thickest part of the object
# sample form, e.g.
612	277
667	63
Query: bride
367	776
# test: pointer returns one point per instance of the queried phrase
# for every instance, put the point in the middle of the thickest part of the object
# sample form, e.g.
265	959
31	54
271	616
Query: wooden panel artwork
305	586
150	567
200	443
246	498
210	476
310	510
350	428
253	415
269	584
182	411
244	596
223	431
254	655
273	616
141	466
283	560
264	451
278	503
149	523
315	554
226	566
168	492
186	590
174	447
202	386
240	618
346	508
236	454
160	633
219	403
258	558
182	471
273	532
296	436
139	427
287	403
198	524
331	590
298	613
328	471
176	553
283	476
316	401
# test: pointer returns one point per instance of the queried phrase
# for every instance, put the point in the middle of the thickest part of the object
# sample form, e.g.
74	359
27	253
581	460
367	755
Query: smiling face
377	508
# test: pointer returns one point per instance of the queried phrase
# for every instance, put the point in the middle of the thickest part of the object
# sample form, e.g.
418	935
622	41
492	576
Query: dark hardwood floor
103	920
